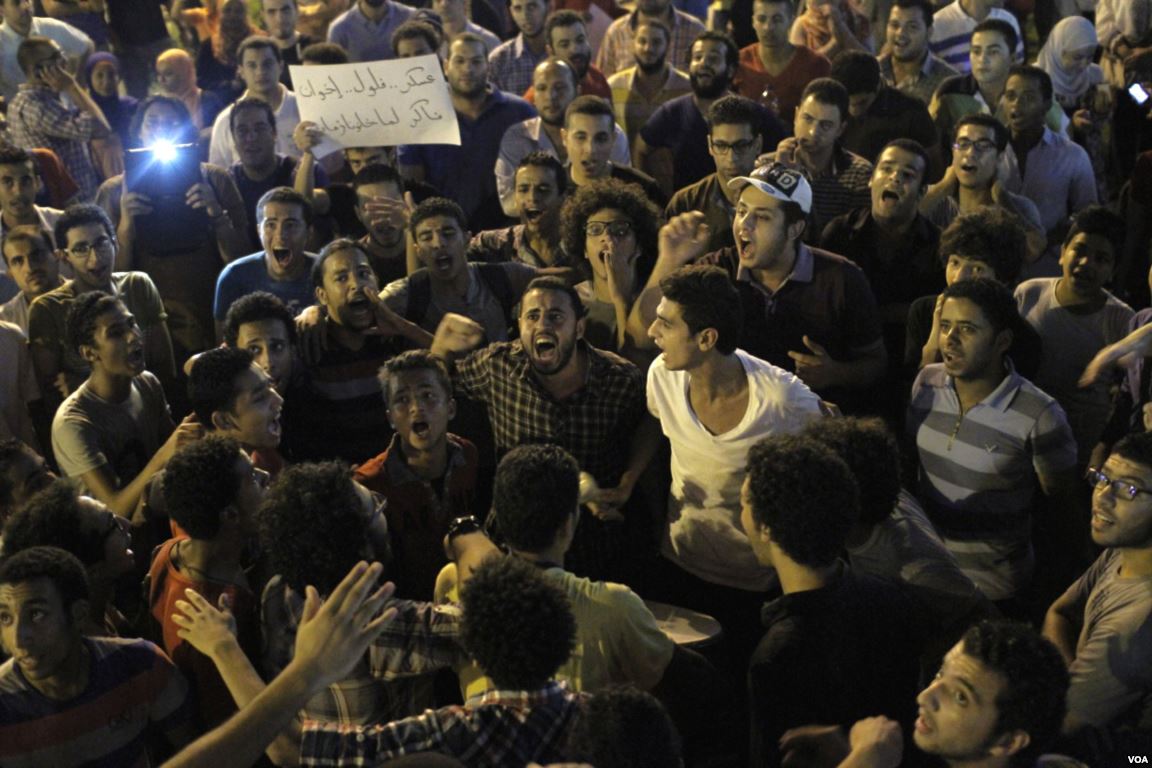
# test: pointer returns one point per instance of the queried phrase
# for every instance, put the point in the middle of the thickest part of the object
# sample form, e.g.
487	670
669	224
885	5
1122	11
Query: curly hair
993	299
626	198
311	525
1098	220
84	315
870	451
1034	697
60	567
199	482
517	623
991	235
81	215
52	518
253	308
805	494
622	727
536	490
1136	447
212	381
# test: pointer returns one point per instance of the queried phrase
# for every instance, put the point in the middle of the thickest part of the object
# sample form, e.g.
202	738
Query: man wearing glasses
734	143
984	437
1097	623
86	241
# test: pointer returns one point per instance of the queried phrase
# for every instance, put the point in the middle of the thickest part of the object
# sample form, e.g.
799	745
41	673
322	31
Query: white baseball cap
780	182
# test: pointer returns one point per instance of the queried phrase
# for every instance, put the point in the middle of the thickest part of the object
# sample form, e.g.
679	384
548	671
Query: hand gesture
818	369
57	77
618	273
684	238
456	334
879	740
605	503
201	196
187	431
388	323
786	152
334	634
930	352
1082	120
813	746
207	628
133	204
306	135
381	211
1123	353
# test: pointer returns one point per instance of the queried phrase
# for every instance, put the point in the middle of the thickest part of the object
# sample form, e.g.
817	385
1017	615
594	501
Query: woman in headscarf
216	63
101	78
1077	85
176	78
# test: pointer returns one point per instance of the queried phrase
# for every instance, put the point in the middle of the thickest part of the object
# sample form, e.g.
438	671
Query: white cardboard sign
377	103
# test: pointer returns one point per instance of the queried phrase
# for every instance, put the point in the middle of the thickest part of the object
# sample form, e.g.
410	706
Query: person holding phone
38	117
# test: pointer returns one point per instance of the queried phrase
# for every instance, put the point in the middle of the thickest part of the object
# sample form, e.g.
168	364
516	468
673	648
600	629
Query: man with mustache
551	386
638	90
908	65
672	147
616	51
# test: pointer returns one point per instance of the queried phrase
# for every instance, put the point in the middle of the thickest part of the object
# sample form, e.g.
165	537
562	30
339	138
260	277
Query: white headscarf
1072	33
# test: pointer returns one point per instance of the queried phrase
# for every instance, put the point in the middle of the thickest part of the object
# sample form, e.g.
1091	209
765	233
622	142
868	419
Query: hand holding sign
377	103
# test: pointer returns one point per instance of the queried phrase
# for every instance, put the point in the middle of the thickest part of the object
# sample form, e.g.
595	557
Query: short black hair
324	53
555	283
707	299
27	50
81	215
622	727
790	3
254	307
517	623
437	206
1102	222
805	494
257	42
26	233
561	18
468	37
596	106
377	174
991	235
629	200
536	490
828	91
660	24
83	316
992	297
1036	75
187	128
285	195
1136	447
857	71
869	449
541	159
327	252
250	102
731	50
734	110
1001	27
10	154
927	10
999	130
212	381
414	29
912	147
414	360
311	525
1034	697
52	518
60	567
199	482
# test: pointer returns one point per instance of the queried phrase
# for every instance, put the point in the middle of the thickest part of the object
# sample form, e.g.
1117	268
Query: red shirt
751	79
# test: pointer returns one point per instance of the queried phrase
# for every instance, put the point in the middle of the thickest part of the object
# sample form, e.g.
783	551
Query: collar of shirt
522	368
517	699
862	219
802	270
888	71
534	127
399	471
1001	397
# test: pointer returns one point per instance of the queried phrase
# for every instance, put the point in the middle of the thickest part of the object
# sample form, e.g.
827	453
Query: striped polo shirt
978	471
952	35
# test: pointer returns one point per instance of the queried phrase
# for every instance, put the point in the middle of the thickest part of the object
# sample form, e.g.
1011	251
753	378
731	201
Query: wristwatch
463	525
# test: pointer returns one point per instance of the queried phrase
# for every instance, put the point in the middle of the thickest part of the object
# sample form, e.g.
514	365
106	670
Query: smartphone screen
1138	94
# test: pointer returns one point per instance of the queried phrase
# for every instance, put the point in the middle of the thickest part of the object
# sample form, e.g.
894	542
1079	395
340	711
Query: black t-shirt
292	56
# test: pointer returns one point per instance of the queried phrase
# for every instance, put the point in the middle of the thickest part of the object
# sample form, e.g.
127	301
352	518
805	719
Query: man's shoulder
609	364
691	197
243	267
53	300
674	108
957	85
506	49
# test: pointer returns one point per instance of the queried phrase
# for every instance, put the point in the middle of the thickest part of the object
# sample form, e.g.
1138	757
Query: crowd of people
822	325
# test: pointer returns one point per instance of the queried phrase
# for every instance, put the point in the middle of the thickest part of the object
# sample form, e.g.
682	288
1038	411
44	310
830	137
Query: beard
713	90
651	68
564	353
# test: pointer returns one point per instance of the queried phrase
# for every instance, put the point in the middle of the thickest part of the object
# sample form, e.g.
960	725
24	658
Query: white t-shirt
221	150
704	535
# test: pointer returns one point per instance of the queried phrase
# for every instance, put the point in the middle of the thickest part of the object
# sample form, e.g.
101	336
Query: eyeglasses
739	147
980	147
614	228
1119	488
101	244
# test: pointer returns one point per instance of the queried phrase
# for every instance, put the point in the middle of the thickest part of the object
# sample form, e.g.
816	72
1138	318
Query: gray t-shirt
480	304
1112	671
90	432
